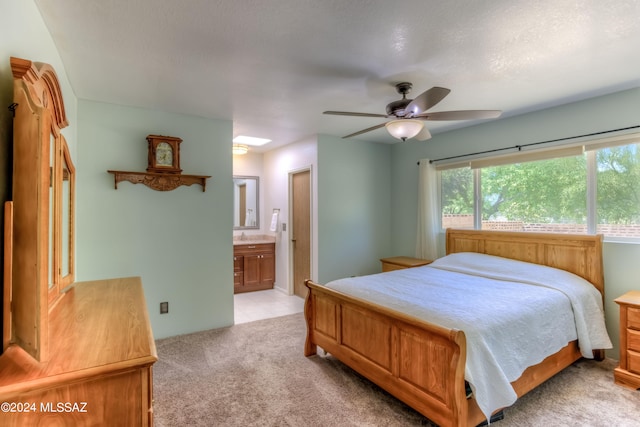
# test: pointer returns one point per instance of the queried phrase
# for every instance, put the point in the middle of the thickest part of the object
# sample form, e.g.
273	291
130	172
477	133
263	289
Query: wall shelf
159	181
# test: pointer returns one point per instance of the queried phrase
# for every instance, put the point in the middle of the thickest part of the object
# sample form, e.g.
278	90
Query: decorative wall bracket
159	181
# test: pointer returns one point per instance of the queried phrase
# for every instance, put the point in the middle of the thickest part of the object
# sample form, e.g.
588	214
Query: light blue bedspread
514	314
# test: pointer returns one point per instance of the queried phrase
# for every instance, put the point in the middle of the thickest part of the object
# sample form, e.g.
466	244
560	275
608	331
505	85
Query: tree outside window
549	195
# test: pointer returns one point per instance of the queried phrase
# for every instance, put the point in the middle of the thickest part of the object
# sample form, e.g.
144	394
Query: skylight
250	140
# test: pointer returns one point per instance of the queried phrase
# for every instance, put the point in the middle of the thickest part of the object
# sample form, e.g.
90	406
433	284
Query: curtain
428	224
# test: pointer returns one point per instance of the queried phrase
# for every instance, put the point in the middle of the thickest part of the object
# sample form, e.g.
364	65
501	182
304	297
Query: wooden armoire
74	353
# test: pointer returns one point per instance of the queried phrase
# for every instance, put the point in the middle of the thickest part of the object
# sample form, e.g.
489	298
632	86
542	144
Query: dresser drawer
390	267
238	278
238	263
633	318
627	374
633	362
633	340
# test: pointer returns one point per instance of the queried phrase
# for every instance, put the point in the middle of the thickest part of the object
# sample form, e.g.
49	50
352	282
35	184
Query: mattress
514	314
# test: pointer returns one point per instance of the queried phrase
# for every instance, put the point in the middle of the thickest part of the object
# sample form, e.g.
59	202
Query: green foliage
457	191
547	191
550	191
618	194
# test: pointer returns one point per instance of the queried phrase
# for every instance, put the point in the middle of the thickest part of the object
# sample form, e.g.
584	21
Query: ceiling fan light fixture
404	128
239	149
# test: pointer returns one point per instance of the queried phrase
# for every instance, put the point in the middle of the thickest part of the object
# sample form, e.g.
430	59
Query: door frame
290	285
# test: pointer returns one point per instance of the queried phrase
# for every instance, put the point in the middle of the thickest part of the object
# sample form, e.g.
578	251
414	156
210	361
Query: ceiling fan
409	114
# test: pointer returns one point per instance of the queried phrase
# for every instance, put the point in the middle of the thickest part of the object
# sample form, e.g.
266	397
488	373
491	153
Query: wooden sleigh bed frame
423	364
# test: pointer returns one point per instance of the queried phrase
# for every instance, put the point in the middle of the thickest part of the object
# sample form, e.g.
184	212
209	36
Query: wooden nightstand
400	262
627	374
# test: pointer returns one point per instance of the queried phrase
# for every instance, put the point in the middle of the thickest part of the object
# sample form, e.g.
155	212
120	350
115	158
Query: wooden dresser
74	354
628	373
400	262
254	266
100	370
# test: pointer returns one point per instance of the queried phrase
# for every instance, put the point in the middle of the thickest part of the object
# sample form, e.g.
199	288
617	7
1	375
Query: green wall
603	113
354	214
180	241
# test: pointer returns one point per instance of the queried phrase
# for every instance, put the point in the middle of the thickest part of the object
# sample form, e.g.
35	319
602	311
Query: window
457	198
618	191
548	193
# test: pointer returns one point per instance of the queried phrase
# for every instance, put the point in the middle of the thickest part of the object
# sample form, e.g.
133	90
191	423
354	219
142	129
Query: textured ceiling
273	66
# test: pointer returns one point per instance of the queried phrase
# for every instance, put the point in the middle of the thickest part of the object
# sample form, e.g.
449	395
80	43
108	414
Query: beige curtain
428	223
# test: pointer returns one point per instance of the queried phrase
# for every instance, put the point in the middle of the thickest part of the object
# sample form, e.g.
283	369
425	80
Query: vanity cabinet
254	267
238	271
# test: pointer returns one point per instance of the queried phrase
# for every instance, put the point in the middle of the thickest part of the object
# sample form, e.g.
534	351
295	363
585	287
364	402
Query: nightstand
627	374
400	262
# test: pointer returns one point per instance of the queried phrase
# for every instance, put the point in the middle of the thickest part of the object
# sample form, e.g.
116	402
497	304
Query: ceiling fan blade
461	115
347	113
423	135
364	130
426	100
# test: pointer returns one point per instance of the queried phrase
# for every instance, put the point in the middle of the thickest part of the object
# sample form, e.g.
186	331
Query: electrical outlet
164	307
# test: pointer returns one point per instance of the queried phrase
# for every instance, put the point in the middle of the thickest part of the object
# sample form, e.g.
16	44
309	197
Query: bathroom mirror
246	201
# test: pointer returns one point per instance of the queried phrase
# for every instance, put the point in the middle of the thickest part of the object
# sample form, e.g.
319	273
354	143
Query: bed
423	363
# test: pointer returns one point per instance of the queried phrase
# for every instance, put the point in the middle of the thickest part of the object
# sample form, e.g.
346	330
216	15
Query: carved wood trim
35	72
159	181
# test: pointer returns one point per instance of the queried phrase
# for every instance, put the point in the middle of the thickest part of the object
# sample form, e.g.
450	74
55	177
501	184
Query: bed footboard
419	363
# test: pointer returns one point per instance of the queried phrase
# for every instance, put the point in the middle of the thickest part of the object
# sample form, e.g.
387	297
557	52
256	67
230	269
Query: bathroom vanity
254	264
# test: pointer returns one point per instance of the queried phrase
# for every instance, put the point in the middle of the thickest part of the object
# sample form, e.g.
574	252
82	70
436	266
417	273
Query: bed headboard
578	253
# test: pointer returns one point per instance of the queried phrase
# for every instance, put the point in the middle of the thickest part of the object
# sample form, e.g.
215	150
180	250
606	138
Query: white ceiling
273	66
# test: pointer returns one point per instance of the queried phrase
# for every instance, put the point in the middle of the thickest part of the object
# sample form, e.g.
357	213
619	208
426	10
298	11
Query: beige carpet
254	374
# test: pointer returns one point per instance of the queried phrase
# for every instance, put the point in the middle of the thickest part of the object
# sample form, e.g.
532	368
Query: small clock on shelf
163	171
164	154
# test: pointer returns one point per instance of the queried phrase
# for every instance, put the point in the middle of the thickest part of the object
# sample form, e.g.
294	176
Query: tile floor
250	306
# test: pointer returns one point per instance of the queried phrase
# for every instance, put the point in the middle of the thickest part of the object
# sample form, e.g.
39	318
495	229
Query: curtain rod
519	147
